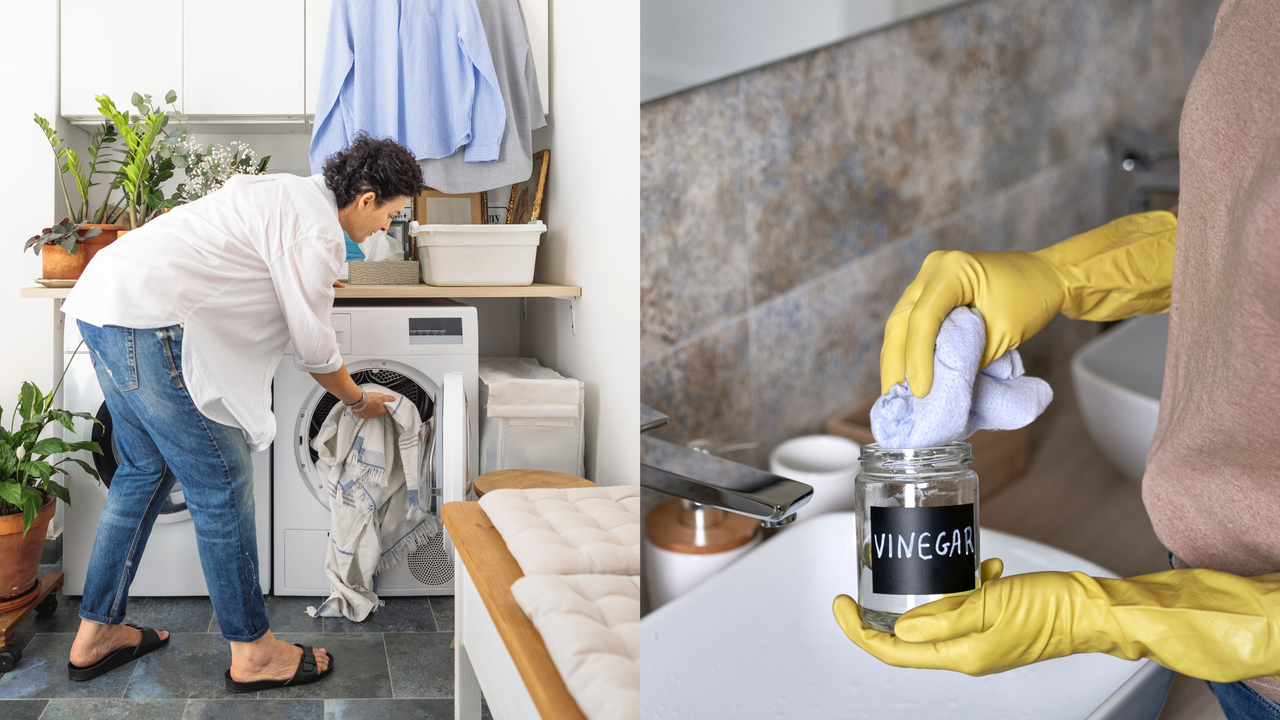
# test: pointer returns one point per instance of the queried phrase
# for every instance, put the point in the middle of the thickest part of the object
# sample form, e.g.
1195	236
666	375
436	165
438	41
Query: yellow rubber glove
1121	269
1202	623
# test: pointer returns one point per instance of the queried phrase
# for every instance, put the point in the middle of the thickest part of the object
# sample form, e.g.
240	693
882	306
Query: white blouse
246	270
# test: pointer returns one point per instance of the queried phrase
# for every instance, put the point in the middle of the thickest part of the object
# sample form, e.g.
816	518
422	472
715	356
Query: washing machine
170	564
425	350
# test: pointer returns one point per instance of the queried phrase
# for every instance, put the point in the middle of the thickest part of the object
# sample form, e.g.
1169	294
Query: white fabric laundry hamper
530	417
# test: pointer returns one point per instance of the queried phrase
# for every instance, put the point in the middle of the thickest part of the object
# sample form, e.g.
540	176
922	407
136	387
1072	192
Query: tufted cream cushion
574	531
591	626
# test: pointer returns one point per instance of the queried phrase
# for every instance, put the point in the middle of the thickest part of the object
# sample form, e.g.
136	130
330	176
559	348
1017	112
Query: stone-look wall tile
816	350
694	254
704	386
1050	206
854	145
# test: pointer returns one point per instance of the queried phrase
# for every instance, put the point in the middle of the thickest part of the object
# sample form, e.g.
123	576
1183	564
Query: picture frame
525	205
432	207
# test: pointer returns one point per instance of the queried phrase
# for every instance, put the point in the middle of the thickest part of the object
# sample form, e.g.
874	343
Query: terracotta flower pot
20	556
58	264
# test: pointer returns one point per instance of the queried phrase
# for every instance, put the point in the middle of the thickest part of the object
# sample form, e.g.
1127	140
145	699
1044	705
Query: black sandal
306	673
150	641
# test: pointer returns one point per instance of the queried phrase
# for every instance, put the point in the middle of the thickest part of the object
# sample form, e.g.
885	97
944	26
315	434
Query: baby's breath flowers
212	165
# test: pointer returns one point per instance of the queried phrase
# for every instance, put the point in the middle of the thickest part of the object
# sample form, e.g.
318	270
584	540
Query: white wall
592	211
29	84
29	56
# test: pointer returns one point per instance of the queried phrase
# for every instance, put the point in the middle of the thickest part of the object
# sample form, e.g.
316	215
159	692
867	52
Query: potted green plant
94	229
151	153
63	258
27	486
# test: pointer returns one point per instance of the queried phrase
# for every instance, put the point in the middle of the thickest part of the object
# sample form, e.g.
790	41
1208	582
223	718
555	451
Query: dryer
426	350
170	565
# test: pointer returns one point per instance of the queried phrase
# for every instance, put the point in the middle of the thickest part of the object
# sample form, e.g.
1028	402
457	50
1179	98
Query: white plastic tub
470	255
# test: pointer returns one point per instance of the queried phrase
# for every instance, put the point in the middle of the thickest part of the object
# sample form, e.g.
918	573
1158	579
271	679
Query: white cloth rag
379	498
962	400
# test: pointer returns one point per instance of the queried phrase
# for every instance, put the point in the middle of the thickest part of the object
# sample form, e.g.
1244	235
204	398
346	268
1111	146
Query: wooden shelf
398	291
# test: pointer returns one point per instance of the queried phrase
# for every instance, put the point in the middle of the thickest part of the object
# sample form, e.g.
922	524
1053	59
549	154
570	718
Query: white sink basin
759	641
1118	376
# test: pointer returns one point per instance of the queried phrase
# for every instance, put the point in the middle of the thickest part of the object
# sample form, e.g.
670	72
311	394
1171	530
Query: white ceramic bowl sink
759	641
1118	376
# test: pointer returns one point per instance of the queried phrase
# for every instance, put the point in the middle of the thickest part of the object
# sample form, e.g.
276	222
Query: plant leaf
11	492
38	468
89	445
57	490
63	418
86	466
49	446
31	501
27	399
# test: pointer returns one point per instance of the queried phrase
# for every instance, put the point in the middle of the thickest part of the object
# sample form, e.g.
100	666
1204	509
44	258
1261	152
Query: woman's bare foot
95	641
269	658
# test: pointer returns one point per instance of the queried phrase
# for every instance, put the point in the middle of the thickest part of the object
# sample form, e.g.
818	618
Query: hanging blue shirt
416	71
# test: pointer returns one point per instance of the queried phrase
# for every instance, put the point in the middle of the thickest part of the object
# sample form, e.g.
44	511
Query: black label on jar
922	550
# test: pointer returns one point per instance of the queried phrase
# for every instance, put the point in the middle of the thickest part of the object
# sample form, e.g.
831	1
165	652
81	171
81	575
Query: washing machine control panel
435	331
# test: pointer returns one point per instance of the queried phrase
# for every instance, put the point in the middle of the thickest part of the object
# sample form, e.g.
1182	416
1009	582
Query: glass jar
917	528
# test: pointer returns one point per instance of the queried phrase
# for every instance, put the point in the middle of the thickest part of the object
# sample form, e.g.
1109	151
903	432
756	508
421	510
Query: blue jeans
159	434
1239	701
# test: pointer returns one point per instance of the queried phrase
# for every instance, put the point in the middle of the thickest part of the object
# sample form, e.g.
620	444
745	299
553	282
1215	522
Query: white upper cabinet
243	57
233	62
118	51
317	33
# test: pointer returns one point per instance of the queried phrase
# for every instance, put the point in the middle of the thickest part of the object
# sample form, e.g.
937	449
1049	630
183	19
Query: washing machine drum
421	397
174	508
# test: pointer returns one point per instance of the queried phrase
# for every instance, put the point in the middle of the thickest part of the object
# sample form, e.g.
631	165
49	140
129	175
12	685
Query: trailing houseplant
28	466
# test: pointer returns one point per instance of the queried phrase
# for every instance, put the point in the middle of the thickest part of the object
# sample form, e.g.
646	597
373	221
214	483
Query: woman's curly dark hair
384	167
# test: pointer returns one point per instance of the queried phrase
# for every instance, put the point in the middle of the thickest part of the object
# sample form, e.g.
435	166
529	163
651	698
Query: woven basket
387	272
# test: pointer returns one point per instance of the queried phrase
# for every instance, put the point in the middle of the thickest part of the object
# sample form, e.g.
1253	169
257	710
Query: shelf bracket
573	313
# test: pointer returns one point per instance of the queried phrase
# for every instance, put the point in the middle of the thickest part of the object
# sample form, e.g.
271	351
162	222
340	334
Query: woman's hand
339	383
1121	269
1203	623
375	406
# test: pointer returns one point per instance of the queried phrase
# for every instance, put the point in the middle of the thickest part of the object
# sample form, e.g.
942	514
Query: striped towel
376	477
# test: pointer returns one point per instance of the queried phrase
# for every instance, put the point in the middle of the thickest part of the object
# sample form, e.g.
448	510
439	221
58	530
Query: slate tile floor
396	665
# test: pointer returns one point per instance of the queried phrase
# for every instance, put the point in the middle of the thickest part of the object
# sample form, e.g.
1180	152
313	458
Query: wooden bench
496	647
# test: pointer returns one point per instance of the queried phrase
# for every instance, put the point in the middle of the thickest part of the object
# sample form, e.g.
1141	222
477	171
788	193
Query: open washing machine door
174	508
415	386
429	569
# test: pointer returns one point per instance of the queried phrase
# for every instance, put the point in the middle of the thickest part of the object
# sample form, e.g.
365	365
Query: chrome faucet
709	480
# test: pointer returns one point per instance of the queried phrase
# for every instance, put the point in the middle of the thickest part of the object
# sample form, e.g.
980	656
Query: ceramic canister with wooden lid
685	543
